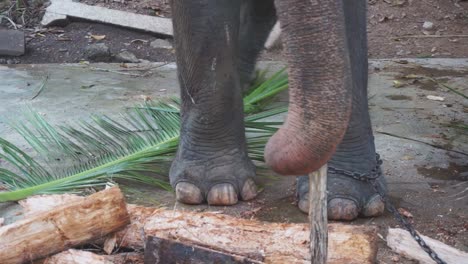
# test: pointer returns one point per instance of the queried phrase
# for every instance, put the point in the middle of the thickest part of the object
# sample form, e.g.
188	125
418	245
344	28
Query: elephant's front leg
211	163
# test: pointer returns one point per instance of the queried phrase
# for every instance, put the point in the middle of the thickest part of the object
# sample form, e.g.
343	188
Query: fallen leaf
398	84
413	76
435	98
98	37
398	2
405	213
407	157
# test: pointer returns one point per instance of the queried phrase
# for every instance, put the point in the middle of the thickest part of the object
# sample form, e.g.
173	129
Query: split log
276	242
402	242
73	256
64	226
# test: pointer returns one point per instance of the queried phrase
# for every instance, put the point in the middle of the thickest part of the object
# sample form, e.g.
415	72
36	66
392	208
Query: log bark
276	242
73	256
402	242
64	226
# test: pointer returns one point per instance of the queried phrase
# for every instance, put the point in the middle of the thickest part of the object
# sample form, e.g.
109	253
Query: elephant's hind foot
214	181
348	198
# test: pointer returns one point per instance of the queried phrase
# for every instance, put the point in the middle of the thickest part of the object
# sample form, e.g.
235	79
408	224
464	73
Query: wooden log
276	242
73	256
318	220
402	242
63	227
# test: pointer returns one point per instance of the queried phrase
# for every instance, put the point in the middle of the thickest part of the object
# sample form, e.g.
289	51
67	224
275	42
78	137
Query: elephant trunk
320	86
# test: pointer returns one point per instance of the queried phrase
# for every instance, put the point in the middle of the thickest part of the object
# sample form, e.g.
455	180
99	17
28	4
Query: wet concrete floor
425	155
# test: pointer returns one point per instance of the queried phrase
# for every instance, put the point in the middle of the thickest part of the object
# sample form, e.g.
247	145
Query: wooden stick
318	215
432	36
63	227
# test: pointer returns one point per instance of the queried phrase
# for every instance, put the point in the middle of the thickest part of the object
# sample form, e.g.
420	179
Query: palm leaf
139	146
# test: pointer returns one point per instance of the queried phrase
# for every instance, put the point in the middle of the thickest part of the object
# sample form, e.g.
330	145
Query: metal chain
372	179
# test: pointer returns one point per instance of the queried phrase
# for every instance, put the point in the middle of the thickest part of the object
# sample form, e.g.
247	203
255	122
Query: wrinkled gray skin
217	43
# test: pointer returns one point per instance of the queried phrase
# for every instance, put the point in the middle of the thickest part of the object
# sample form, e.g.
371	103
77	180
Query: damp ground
425	153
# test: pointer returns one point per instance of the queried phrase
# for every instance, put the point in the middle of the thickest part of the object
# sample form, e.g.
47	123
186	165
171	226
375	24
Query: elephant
217	43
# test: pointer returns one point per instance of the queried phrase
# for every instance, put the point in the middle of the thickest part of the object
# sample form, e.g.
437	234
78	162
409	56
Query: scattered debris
435	98
97	52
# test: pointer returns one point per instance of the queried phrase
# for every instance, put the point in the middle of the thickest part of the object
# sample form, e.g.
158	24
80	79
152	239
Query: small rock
428	25
161	44
395	259
12	61
126	56
98	52
11	42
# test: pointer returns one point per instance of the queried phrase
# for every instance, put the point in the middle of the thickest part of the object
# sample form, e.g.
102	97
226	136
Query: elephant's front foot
221	178
348	198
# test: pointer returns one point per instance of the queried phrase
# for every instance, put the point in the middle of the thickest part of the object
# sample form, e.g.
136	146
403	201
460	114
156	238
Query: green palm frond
139	146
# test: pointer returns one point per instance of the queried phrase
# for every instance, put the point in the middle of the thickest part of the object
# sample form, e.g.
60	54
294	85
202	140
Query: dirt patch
452	172
396	28
58	45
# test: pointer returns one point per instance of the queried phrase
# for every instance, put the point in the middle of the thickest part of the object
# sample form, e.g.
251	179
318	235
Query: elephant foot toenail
342	209
249	191
188	193
222	194
374	207
303	203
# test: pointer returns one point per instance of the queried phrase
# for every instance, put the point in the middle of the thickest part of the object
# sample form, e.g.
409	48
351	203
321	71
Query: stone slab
11	42
62	9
